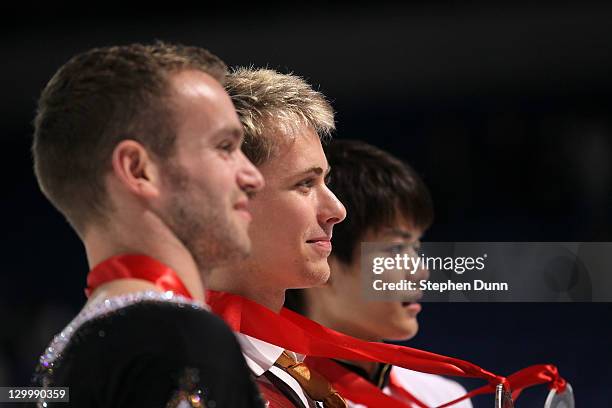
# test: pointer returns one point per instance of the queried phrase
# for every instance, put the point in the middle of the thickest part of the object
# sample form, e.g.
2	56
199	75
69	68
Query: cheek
273	225
299	210
352	299
217	169
374	317
386	316
287	215
382	312
216	186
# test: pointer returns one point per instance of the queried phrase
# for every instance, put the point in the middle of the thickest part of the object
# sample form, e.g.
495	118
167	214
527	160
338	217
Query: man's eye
305	184
327	179
227	146
396	249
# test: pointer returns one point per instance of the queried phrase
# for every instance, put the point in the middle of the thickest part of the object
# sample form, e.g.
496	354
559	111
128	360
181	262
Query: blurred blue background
505	110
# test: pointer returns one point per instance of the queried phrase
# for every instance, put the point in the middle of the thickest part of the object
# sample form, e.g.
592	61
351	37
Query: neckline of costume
104	308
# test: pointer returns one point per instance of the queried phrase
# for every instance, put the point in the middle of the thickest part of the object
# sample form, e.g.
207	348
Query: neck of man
146	235
247	280
321	316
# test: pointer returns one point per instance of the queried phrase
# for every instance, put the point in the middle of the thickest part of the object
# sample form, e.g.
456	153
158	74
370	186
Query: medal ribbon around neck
297	333
302	335
357	389
136	267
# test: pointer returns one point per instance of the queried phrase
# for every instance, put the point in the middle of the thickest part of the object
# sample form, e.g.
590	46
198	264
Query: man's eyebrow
315	170
233	132
399	232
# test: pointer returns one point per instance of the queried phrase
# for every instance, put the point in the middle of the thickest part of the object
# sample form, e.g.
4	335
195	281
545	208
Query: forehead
403	228
296	152
194	83
200	103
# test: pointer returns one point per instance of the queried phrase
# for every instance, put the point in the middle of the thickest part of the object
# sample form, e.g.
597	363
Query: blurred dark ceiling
493	95
418	53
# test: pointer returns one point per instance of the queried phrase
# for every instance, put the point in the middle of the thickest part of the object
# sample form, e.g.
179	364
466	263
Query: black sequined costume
147	349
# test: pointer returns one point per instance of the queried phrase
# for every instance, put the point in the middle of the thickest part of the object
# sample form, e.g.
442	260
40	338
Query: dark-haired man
138	147
386	202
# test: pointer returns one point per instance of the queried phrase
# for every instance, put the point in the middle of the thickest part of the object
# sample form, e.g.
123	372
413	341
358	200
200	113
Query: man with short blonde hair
284	121
270	104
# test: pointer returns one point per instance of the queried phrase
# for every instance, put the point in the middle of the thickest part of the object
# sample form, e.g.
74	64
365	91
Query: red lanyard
299	334
136	267
357	389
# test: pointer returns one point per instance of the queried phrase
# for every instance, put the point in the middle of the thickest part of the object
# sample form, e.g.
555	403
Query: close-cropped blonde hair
270	103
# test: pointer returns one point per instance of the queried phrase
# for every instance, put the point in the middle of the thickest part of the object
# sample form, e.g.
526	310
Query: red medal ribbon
136	267
524	378
302	335
357	389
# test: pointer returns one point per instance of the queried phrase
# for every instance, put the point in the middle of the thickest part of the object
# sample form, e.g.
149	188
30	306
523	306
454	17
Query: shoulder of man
152	353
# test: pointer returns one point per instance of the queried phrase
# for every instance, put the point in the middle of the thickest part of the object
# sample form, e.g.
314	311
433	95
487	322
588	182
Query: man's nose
250	179
332	210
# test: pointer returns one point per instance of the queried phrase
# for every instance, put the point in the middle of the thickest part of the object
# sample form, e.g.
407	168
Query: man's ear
135	169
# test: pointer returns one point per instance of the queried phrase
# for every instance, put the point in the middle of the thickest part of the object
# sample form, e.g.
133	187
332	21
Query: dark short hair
94	101
375	188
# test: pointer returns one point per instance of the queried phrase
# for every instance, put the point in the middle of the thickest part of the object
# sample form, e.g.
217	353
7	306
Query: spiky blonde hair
270	103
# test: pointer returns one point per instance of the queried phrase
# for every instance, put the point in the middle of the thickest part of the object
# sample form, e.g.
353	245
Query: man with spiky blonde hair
267	101
284	121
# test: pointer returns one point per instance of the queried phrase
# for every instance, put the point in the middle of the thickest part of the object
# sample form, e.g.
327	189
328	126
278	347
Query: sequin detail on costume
189	394
59	343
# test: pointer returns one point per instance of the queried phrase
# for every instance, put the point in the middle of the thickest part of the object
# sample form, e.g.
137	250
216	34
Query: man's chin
316	276
243	247
403	331
235	247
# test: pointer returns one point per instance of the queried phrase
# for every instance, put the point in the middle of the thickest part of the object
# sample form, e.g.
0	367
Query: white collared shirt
260	356
433	390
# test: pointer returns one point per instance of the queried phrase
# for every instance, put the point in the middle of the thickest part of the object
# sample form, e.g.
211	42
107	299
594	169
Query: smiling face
339	304
208	179
294	214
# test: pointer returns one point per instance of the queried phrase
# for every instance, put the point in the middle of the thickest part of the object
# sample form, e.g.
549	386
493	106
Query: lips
411	304
321	244
242	206
413	298
412	307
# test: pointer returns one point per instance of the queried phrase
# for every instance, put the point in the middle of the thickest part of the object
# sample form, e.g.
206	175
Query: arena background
504	109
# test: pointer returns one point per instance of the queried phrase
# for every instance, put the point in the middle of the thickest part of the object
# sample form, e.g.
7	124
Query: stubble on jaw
201	223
